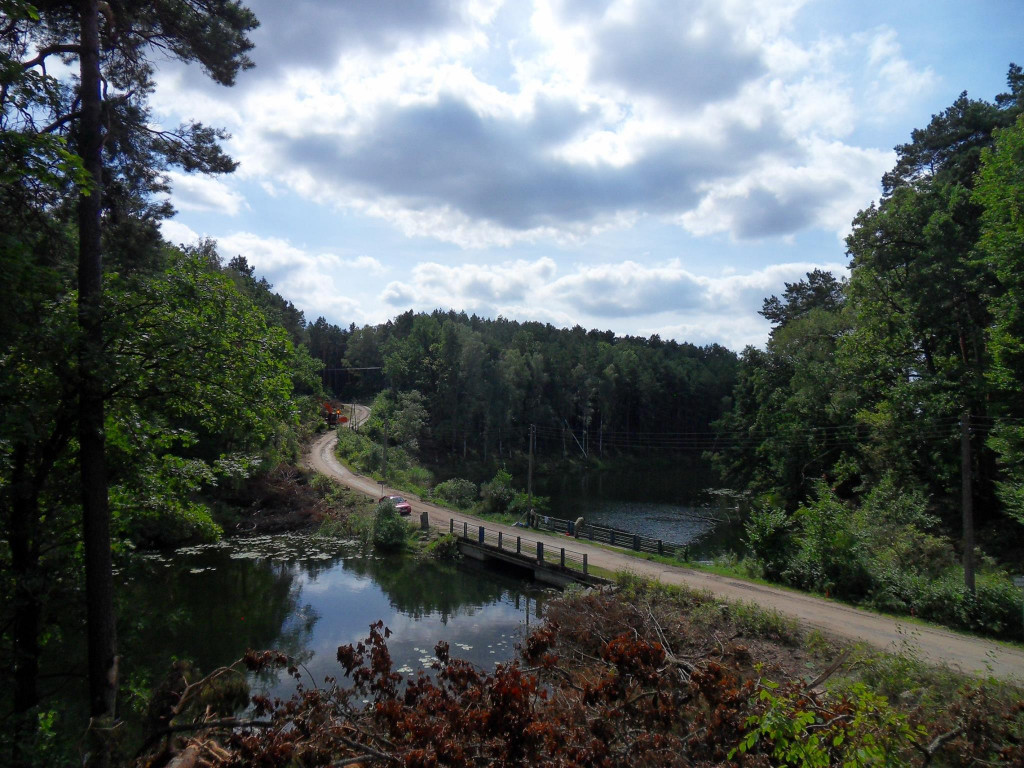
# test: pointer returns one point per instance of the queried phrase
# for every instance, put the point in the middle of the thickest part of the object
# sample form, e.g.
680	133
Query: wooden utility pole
384	449
967	498
529	471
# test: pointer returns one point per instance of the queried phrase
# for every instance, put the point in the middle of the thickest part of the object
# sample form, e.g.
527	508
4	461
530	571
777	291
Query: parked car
403	506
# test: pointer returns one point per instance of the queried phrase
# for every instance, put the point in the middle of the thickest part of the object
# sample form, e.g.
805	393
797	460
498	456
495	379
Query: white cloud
667	299
176	232
778	199
193	192
482	132
315	282
895	81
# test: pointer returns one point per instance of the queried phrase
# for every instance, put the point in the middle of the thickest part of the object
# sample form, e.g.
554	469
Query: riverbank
637	674
970	655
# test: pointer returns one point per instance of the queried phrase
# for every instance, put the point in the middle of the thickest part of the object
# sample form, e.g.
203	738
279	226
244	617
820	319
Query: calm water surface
668	502
306	597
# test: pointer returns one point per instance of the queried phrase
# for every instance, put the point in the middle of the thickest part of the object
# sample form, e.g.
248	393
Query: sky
641	166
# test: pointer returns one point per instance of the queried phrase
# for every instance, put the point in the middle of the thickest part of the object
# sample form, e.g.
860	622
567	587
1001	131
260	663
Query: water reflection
306	597
663	503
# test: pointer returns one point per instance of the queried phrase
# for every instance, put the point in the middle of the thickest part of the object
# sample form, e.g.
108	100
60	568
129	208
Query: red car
403	506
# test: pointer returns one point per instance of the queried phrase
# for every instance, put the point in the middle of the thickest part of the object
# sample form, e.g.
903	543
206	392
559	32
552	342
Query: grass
361	454
744	574
708	610
356	451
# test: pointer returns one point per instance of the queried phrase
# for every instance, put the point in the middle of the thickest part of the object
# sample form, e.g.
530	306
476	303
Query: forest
876	441
483	382
879	432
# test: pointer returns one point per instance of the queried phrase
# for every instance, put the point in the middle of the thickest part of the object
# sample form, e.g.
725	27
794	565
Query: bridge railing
526	548
616	537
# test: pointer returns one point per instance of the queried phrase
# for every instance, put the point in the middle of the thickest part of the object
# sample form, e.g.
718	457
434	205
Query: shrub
993	609
498	494
389	529
458	492
767	535
830	556
444	548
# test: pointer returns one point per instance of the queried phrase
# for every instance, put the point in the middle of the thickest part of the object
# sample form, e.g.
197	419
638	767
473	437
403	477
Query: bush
830	556
767	535
389	529
498	494
458	492
445	548
993	609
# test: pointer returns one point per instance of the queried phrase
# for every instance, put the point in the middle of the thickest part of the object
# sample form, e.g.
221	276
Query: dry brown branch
829	671
937	744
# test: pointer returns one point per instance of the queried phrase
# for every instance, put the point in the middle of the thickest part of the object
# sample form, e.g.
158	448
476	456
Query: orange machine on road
333	415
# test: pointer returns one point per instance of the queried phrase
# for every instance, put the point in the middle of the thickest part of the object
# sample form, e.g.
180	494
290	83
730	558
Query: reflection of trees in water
212	616
419	587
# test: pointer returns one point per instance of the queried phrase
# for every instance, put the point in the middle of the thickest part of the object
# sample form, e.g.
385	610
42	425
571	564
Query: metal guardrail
552	557
616	537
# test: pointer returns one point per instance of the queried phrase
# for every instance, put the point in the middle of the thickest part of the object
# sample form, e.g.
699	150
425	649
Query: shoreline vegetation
635	673
876	537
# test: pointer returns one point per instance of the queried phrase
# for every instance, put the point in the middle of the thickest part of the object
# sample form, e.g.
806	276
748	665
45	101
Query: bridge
556	566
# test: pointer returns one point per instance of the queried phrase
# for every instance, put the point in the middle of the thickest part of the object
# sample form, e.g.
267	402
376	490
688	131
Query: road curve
968	654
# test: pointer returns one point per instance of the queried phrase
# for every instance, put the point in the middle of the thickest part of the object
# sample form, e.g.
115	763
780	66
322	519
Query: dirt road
967	654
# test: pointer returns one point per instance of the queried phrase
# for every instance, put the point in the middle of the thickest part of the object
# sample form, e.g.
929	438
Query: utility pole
385	450
529	471
967	498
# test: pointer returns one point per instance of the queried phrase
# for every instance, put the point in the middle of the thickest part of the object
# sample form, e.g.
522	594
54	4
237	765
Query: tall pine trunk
27	610
99	582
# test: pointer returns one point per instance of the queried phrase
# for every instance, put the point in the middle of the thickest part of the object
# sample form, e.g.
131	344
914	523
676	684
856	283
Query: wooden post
529	470
540	551
562	559
499	539
661	549
451	525
584	563
465	530
481	534
519	545
636	542
967	498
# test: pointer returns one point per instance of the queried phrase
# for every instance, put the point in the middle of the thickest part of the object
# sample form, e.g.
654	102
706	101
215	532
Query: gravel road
968	654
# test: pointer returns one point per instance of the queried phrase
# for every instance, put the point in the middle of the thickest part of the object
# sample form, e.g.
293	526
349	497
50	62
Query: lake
306	596
668	502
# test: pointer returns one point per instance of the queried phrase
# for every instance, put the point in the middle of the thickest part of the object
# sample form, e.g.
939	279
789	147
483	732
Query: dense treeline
886	408
483	382
134	377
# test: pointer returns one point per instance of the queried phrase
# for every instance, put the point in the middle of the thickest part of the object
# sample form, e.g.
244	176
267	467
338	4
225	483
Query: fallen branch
829	671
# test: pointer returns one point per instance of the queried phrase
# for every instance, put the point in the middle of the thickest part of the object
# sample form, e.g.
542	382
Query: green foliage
457	492
849	418
483	380
859	729
882	553
401	416
1000	190
767	536
365	454
445	548
830	556
497	495
389	529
